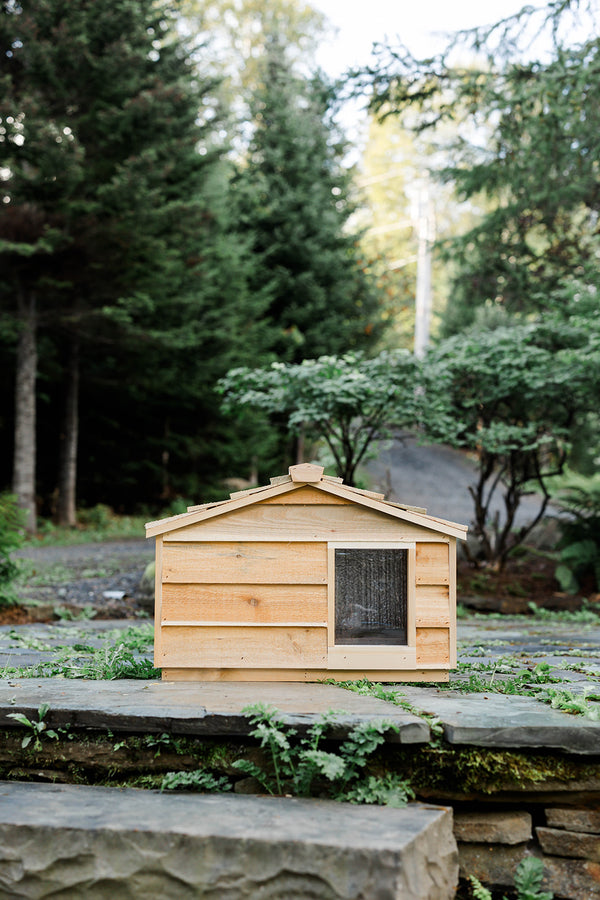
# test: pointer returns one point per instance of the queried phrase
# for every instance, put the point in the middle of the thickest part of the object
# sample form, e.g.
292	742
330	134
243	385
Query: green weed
197	780
120	656
36	729
528	882
301	768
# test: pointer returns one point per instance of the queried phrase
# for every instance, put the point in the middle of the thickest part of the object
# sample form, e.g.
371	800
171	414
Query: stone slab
586	820
199	708
500	720
512	827
576	844
102	843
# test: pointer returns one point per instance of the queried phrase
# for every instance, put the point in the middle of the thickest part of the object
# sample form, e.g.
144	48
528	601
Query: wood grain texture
433	647
236	562
244	646
157	597
452	602
291	522
245	602
432	606
307	496
258	675
371	657
432	563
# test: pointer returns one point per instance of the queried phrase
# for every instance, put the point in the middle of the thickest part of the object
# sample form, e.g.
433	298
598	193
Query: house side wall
248	590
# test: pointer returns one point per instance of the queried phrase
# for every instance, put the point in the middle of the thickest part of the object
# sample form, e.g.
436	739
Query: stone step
104	843
196	708
505	721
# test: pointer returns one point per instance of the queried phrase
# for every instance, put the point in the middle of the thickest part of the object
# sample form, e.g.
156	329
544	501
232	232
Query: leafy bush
579	496
11	536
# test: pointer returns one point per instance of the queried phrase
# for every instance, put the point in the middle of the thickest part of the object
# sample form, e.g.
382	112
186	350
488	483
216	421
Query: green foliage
11	536
520	144
36	729
120	656
302	767
528	880
579	497
479	891
512	395
349	401
116	219
293	195
198	780
576	704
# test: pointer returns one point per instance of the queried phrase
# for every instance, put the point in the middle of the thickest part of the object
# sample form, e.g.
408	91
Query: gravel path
105	576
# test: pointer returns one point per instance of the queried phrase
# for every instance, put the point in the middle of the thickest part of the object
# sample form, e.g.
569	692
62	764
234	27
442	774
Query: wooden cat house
305	579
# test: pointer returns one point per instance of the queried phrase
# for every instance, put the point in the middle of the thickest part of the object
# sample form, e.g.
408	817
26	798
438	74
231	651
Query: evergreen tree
294	200
526	150
111	245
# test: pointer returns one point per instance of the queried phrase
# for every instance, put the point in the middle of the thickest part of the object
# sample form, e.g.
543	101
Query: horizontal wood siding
237	562
243	647
433	647
432	565
271	521
226	674
433	602
270	603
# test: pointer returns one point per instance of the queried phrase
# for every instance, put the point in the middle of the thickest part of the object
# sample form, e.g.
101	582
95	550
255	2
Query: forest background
177	202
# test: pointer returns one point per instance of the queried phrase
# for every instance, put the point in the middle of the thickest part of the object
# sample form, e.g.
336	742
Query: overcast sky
418	23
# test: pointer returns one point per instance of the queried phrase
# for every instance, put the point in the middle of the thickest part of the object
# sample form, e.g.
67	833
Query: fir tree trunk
67	478
25	433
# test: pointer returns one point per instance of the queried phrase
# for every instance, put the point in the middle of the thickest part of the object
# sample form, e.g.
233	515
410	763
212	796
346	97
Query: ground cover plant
528	882
121	653
299	767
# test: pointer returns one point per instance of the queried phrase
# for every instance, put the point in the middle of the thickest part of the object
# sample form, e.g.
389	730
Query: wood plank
306	472
356	657
452	600
217	674
157	596
290	522
245	563
433	647
432	563
432	554
432	606
307	496
245	602
433	576
242	647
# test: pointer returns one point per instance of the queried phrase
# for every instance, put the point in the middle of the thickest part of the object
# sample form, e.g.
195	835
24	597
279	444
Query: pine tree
294	197
108	229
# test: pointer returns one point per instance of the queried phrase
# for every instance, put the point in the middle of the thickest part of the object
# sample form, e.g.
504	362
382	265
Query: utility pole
426	237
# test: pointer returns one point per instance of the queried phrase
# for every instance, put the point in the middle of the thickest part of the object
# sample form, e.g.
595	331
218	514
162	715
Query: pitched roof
298	477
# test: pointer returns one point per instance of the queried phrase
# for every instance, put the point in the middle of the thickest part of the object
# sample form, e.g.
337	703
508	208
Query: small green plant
576	704
479	891
11	536
122	655
36	729
197	780
528	882
301	767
